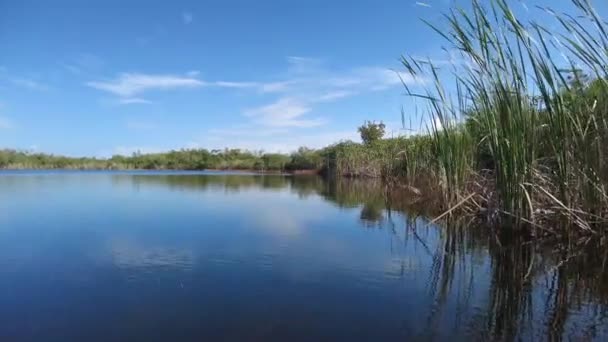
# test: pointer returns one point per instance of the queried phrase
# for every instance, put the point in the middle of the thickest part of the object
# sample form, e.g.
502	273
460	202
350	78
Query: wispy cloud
422	4
6	123
448	58
376	78
308	83
28	83
306	78
276	87
158	32
304	65
129	150
272	139
285	112
128	85
187	17
83	63
335	95
523	4
228	84
318	82
193	73
139	125
133	100
247	131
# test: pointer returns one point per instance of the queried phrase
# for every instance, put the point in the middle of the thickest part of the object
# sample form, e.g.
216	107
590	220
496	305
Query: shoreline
261	172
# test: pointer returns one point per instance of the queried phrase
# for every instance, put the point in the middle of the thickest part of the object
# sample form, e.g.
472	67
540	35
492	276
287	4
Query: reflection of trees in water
497	287
510	295
491	288
346	193
367	194
487	287
578	281
530	293
306	185
191	182
371	214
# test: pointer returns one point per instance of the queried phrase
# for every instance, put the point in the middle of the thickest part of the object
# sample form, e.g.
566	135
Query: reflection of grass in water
507	307
350	193
233	183
371	214
532	290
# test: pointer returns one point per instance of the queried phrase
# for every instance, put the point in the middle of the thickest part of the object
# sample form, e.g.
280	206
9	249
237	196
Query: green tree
371	132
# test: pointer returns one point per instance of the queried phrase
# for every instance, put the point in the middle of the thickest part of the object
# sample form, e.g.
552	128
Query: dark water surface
193	257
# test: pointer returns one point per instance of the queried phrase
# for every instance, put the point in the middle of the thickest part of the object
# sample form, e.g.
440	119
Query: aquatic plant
540	125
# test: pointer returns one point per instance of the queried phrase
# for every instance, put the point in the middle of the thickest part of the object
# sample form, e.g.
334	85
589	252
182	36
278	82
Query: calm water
182	256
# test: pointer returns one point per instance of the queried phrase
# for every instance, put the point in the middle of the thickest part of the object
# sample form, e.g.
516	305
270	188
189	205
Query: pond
194	256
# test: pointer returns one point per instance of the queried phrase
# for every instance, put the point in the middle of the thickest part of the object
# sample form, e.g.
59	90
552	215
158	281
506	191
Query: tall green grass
523	133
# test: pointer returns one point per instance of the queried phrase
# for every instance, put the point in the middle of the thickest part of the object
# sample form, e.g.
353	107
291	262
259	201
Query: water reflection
497	289
263	252
134	255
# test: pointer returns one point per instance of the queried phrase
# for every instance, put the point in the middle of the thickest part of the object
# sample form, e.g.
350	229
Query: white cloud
227	84
335	95
246	131
523	4
376	78
309	84
343	81
422	4
5	123
306	79
276	87
158	32
129	150
303	65
141	125
83	63
187	17
437	124
133	100
250	137
256	138
247	137
329	85
285	112
130	84
193	73
28	83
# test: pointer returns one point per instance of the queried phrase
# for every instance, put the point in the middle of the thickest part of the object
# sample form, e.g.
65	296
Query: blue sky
105	77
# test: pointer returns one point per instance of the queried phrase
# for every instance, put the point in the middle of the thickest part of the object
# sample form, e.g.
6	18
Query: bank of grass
523	139
518	127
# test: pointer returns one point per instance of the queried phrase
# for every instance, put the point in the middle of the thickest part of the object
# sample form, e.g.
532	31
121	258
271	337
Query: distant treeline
374	158
187	159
